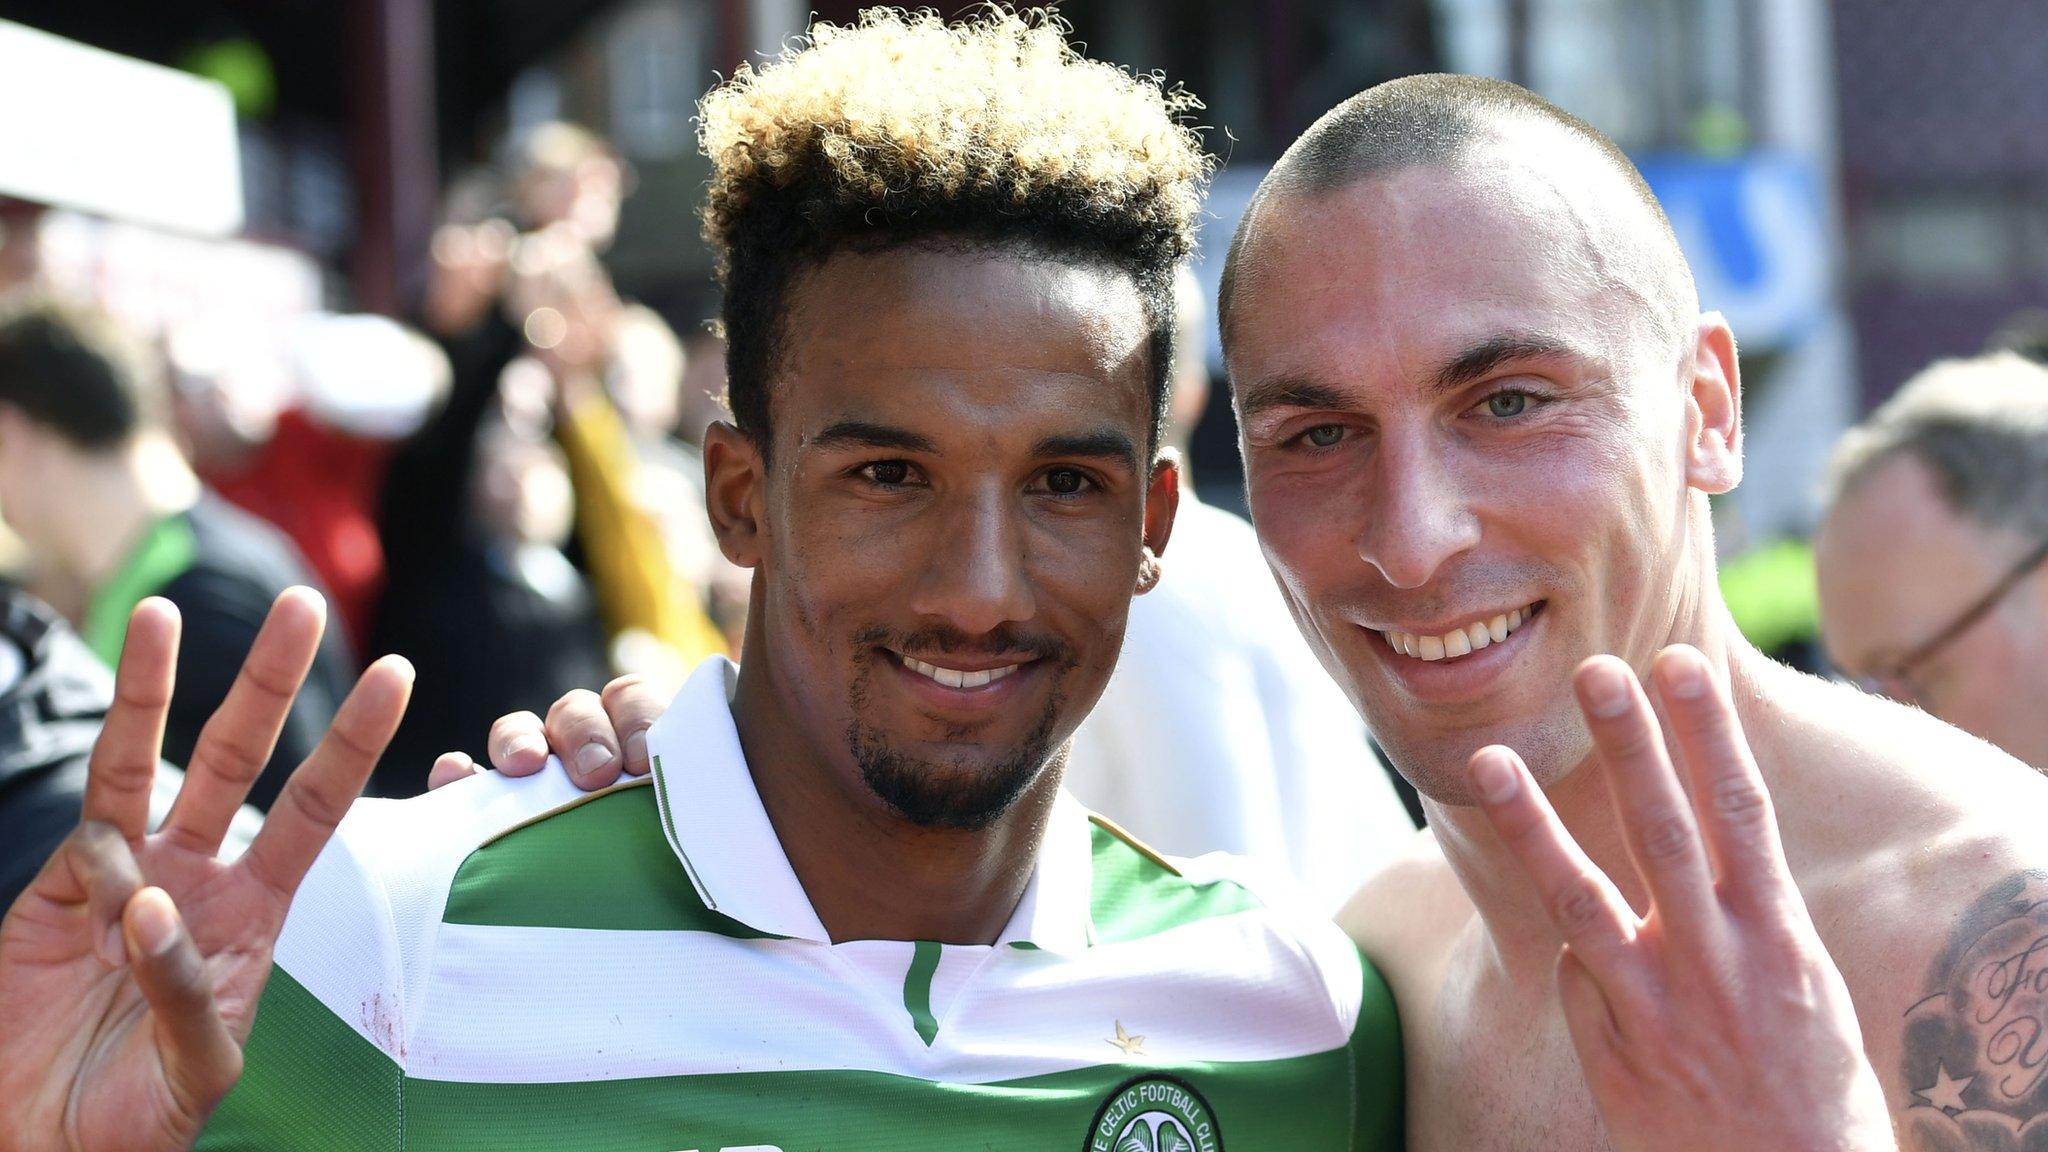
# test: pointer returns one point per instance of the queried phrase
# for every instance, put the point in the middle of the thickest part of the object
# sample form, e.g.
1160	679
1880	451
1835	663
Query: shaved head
1470	125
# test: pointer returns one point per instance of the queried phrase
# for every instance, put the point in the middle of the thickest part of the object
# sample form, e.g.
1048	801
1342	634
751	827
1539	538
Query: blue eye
1324	435
1507	405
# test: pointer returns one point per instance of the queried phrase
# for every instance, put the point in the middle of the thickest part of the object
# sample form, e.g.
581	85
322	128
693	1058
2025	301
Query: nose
978	576
1418	517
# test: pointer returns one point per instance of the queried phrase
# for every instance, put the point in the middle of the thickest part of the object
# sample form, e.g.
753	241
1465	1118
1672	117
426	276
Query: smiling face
1472	444
950	522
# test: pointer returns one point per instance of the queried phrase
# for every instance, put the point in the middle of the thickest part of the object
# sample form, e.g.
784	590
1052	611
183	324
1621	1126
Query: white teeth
1459	641
954	678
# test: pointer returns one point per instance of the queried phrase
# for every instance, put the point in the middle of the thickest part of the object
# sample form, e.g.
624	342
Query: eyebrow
1288	392
1481	359
863	434
1104	445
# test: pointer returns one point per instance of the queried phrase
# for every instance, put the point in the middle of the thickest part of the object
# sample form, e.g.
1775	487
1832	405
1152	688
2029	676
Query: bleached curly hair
902	128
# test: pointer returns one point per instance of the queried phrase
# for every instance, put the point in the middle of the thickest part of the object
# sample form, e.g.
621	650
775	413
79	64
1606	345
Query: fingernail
636	748
156	923
1681	677
1492	778
591	757
1605	691
526	746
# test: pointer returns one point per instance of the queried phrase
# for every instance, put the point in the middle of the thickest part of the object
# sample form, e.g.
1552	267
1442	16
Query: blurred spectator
527	566
1220	731
478	594
1931	554
54	694
91	480
302	437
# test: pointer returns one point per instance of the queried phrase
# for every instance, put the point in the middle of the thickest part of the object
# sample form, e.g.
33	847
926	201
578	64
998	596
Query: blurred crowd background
407	297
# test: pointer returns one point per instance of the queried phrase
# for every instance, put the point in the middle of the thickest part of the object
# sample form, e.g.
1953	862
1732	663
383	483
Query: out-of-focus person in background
1220	731
92	481
301	435
525	553
1932	553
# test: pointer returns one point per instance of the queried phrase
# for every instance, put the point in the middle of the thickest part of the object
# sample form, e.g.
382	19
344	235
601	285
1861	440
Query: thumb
201	1059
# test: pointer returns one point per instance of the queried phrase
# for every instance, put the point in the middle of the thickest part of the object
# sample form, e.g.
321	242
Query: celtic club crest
1154	1113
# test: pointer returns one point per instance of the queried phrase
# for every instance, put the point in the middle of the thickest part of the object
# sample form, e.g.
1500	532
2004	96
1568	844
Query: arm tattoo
1976	1046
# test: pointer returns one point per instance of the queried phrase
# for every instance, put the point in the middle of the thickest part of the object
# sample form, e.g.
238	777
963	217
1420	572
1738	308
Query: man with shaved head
1482	415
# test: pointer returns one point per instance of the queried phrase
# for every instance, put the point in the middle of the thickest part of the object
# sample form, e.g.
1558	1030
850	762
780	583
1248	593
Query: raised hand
1717	1020
598	737
131	967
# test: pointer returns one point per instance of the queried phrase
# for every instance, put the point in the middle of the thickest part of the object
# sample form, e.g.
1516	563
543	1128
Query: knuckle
236	760
1740	801
1577	906
319	805
1667	838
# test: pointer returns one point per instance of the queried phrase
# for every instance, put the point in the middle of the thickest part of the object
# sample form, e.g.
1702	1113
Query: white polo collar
712	816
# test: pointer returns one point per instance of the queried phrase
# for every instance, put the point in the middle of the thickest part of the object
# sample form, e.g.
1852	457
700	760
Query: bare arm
1974	1052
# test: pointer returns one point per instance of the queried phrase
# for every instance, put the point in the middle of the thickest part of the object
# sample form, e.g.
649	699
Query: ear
735	476
1713	410
1162	501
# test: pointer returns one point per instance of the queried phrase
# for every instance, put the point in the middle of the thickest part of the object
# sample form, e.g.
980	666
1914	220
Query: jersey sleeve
323	1066
1379	1118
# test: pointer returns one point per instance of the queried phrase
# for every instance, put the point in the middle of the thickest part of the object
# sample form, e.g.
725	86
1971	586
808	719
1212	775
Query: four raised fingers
124	757
318	795
235	745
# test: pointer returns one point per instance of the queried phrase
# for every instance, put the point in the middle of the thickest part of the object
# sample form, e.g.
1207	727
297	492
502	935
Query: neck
111	499
1516	922
869	873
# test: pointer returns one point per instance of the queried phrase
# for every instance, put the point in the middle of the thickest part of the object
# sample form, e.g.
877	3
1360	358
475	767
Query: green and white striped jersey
509	964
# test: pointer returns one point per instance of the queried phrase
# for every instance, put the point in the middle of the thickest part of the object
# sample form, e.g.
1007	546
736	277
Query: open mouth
956	677
1464	640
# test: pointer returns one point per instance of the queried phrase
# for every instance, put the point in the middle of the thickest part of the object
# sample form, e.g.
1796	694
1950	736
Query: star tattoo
1947	1092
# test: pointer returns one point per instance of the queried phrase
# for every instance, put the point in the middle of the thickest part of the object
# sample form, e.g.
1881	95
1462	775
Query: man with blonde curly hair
850	906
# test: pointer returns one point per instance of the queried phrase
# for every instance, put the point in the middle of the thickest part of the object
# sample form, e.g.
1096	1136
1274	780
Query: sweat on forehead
1463	123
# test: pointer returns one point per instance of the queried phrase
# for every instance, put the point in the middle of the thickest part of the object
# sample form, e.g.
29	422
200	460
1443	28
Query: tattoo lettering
1976	1046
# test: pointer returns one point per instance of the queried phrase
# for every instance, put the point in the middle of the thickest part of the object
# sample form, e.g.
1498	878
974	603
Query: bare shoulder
1922	854
1406	914
1863	782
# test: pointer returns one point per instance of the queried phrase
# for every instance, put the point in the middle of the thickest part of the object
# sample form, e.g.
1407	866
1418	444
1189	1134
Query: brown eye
1325	435
889	472
1065	482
